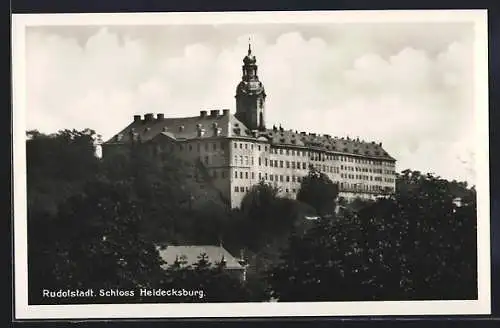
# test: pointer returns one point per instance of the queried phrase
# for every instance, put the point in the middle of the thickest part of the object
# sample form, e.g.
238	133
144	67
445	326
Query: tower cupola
250	95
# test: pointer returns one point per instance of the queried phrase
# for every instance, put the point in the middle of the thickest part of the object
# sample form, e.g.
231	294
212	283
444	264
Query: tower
250	95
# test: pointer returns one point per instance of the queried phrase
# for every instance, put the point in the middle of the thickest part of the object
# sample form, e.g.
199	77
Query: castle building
237	151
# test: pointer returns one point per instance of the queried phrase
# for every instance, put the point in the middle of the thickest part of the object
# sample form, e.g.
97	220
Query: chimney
148	117
137	118
225	112
203	113
160	117
214	113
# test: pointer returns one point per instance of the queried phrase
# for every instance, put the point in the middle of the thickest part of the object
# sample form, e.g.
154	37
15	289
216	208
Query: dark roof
324	142
191	255
182	128
228	125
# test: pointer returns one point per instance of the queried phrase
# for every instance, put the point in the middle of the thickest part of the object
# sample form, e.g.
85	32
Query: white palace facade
237	151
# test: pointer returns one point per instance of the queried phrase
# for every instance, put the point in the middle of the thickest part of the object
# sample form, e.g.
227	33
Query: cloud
416	100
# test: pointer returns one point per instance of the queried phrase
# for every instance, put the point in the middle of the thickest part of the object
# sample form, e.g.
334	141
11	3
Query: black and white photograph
252	164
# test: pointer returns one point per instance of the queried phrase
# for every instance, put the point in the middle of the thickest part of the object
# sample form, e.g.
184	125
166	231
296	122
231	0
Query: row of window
314	156
246	189
293	178
208	146
267	177
345	186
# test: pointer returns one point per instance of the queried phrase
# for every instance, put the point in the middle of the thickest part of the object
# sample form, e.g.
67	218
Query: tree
94	241
417	245
319	191
57	166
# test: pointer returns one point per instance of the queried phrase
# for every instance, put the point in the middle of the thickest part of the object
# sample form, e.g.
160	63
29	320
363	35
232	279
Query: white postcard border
111	311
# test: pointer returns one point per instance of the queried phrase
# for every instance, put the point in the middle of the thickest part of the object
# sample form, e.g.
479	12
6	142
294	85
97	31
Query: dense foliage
317	190
418	245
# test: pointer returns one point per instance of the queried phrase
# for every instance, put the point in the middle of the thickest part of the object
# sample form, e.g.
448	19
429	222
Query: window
222	146
214	146
287	178
235	160
246	189
236	174
246	160
281	163
287	190
223	175
288	152
235	145
293	165
251	146
294	191
260	176
251	160
241	160
241	145
206	159
253	175
260	161
236	189
281	151
270	163
246	146
276	163
206	147
265	176
293	178
299	179
281	178
241	175
304	166
246	175
276	177
258	147
266	161
287	164
271	177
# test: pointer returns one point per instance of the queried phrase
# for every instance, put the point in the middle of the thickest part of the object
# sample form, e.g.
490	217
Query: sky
407	85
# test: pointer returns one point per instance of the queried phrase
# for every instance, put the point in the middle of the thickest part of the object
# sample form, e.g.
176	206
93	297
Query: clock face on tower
250	88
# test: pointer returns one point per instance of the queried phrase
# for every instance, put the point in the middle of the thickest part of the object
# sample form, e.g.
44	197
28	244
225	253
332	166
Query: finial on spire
249	46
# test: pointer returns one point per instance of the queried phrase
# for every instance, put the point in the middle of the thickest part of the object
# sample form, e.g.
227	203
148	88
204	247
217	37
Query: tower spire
249	46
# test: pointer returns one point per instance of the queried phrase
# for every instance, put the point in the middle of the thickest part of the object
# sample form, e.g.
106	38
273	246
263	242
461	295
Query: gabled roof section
182	128
191	255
